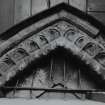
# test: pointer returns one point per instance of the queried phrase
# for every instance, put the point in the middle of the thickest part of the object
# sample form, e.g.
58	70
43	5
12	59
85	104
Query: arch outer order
61	25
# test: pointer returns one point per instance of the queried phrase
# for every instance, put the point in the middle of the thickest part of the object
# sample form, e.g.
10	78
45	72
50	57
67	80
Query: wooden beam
22	10
38	6
6	14
80	4
55	2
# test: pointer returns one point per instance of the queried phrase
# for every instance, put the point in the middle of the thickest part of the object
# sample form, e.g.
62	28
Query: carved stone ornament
70	33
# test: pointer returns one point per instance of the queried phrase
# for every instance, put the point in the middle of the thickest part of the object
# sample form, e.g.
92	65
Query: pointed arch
61	25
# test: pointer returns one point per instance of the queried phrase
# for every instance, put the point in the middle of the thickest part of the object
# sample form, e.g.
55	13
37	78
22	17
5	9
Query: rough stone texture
59	34
83	42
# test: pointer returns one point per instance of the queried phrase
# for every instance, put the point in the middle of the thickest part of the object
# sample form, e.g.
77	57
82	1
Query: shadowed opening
60	68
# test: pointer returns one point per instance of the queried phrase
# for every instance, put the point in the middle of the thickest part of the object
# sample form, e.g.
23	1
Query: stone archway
62	26
59	70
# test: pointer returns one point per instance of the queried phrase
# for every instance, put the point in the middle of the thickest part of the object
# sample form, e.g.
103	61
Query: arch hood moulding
62	26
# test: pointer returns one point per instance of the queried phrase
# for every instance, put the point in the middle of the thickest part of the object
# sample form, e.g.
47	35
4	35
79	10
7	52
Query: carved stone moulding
100	57
63	29
60	34
23	59
92	48
61	15
18	54
30	45
81	41
101	39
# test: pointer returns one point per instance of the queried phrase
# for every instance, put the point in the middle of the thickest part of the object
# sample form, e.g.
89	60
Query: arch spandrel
64	29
